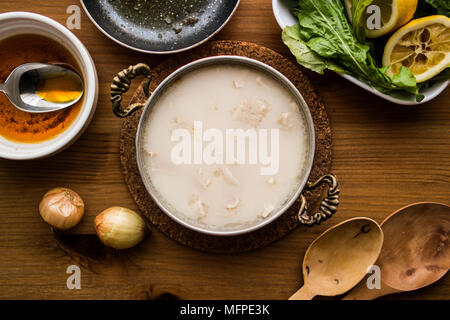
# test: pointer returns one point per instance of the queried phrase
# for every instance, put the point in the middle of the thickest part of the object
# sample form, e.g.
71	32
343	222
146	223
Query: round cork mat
275	230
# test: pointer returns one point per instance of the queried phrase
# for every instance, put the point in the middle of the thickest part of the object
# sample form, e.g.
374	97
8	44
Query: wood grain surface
386	156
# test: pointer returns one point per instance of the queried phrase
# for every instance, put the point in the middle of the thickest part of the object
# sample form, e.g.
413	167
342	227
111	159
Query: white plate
285	18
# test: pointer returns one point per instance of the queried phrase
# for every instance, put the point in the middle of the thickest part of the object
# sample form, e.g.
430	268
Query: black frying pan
160	26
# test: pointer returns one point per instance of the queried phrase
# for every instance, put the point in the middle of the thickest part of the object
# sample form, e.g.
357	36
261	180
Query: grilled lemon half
394	14
423	45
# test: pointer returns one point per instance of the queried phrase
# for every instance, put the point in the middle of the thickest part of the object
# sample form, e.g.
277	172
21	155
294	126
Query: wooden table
386	156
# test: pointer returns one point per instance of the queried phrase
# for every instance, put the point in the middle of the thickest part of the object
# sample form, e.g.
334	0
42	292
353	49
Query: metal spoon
339	258
21	87
416	250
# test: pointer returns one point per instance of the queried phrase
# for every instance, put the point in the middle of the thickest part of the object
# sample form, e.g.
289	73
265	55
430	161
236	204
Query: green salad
326	39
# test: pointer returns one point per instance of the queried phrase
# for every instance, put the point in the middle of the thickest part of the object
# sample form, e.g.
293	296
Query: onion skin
120	228
62	208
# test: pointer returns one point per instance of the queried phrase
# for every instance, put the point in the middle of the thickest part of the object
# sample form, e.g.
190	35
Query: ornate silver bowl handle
328	206
121	84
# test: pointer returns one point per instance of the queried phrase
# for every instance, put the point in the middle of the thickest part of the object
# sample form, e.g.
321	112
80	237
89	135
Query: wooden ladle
339	258
415	253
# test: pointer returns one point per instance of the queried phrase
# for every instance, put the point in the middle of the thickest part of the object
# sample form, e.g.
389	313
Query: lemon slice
393	14
423	45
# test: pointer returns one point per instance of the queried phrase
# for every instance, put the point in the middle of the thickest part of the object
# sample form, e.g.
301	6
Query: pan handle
121	84
328	206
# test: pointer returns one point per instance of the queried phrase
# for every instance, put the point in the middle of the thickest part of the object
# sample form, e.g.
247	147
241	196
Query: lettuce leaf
358	8
305	56
442	6
324	30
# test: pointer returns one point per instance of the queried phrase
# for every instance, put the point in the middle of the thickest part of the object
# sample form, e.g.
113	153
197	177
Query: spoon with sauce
41	87
415	253
339	258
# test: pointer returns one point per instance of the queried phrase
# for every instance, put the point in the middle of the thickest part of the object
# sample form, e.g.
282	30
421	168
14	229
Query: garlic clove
271	181
151	154
203	179
62	208
234	204
198	206
286	120
229	177
268	209
260	82
120	228
250	112
237	84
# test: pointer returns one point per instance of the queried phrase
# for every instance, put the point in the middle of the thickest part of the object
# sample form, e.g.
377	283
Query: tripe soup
220	184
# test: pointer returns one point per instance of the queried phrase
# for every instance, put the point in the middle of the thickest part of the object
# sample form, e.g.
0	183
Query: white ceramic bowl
281	11
15	23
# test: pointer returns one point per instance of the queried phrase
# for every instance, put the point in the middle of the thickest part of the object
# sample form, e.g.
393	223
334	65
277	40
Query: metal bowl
120	82
175	32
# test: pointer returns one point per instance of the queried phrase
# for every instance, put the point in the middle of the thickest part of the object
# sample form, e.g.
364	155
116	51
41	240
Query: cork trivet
275	230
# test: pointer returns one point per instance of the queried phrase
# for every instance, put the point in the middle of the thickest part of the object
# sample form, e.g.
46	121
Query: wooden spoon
339	258
415	252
